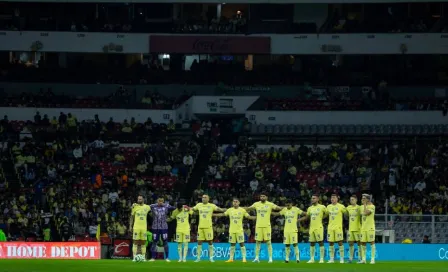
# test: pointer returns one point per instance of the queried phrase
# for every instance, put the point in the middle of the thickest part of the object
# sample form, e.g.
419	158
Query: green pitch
218	266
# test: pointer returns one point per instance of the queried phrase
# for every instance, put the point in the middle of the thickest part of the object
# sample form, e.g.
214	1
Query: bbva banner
384	252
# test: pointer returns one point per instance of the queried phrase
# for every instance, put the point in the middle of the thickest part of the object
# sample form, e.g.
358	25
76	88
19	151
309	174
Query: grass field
218	266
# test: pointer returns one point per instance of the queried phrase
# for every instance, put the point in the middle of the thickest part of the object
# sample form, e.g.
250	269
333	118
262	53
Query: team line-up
361	227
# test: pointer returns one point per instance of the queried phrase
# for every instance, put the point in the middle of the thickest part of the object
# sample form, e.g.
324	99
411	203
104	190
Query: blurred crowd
65	178
404	178
122	97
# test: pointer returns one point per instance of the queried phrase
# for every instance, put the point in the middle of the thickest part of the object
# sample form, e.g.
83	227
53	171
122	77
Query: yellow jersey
205	214
316	214
291	216
182	220
264	211
368	221
236	217
336	216
140	214
354	220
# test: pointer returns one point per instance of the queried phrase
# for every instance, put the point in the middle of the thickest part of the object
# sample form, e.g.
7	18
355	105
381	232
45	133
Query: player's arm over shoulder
283	211
370	209
196	207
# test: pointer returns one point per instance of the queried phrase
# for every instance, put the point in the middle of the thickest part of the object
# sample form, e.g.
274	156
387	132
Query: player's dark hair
179	205
141	196
263	193
316	195
335	195
354	196
235	199
289	201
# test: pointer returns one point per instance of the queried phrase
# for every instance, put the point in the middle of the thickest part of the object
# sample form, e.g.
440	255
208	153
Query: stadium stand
62	176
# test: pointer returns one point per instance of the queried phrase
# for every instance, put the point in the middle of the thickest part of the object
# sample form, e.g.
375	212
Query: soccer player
263	225
160	227
367	228
138	226
236	215
354	227
335	232
290	231
182	216
315	213
205	228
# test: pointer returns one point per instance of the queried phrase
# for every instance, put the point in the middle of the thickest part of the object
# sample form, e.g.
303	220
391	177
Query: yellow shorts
367	236
236	237
205	234
353	236
335	235
316	235
263	234
290	238
182	237
139	234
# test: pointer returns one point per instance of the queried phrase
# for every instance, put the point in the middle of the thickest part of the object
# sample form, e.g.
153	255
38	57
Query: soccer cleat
244	261
167	260
152	260
310	261
372	262
286	261
362	262
134	260
184	260
342	261
229	261
180	260
197	260
330	261
256	261
270	261
349	261
211	260
321	261
297	261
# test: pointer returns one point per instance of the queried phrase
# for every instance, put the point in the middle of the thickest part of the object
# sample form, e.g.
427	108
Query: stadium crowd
69	177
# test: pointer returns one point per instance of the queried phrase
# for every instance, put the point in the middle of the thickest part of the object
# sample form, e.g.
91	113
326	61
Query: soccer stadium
261	135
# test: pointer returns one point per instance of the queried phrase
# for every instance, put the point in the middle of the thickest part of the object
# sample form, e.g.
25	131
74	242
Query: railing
415	226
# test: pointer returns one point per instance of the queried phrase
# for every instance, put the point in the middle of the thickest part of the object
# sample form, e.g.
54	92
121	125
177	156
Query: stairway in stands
10	175
198	172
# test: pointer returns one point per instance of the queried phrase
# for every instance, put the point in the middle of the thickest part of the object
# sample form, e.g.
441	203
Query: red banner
210	44
122	248
49	250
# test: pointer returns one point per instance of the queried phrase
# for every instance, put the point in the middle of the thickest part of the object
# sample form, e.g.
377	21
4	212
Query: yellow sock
211	250
243	253
322	252
312	252
185	250
232	252
364	252
199	252
257	250
144	251
269	250
372	258
352	252
331	252
179	250
287	252
134	250
341	252
297	252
